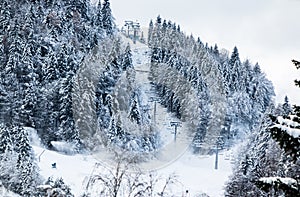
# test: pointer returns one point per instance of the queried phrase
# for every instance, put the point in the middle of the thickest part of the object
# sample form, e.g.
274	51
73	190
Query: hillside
87	111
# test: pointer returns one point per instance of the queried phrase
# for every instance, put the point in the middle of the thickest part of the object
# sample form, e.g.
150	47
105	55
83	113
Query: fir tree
235	71
107	18
150	32
287	109
67	125
134	113
277	172
126	59
5	140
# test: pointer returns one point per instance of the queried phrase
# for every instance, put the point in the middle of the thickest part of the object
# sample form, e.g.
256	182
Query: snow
291	131
288	125
44	187
285	180
33	136
64	147
288	122
74	169
195	173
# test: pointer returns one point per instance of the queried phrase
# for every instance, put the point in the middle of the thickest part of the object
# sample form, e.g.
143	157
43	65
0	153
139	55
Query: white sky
265	31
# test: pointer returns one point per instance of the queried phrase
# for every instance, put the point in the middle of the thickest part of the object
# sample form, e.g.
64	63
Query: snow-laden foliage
269	163
53	188
18	170
230	93
43	45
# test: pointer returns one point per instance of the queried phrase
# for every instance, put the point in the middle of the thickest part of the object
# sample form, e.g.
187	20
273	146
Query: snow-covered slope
196	174
74	170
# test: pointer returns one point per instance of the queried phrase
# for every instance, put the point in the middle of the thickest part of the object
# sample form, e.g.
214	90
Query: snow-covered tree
18	168
107	18
235	69
287	109
274	152
5	140
98	15
134	112
150	32
253	162
68	132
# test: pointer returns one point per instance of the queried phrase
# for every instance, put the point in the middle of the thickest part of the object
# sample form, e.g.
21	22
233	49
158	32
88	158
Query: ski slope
195	173
172	147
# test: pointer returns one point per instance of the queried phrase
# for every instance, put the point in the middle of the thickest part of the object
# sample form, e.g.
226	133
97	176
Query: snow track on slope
171	149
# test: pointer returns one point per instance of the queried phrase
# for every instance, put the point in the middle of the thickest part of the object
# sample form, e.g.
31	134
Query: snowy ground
195	173
6	193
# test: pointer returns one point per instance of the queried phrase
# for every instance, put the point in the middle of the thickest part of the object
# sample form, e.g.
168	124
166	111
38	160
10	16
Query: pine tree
98	16
50	69
67	125
235	71
253	162
126	59
216	50
5	140
107	18
134	113
2	58
5	17
150	32
156	35
285	131
287	109
58	188
17	168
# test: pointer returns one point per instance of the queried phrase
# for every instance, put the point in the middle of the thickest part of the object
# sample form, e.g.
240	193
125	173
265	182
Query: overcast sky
265	31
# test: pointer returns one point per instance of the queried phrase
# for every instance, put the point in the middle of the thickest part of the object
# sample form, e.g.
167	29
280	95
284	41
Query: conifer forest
86	109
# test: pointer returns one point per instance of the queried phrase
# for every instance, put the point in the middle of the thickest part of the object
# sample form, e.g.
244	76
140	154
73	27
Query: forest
61	62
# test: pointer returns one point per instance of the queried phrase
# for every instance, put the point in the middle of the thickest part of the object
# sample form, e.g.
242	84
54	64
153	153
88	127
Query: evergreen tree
134	113
216	50
275	171
253	162
150	32
235	71
67	126
5	140
126	59
98	17
50	69
107	18
18	169
287	109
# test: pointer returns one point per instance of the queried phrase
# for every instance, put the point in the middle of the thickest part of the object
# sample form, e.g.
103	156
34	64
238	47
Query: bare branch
296	63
